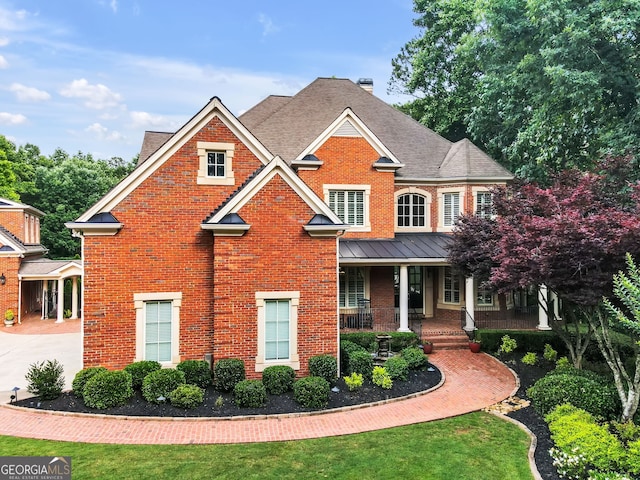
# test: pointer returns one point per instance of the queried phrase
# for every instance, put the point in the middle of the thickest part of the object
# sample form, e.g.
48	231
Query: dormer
22	221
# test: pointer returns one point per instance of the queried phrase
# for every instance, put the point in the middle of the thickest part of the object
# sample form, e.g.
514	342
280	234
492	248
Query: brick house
261	237
29	282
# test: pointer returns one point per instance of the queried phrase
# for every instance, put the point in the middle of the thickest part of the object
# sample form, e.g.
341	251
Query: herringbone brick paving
472	382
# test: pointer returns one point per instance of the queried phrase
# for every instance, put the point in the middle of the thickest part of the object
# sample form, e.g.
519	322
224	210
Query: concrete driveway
18	352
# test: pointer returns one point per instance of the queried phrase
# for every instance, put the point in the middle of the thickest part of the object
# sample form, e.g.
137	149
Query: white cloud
103	133
4	41
12	118
145	119
3	62
96	96
114	6
268	27
28	94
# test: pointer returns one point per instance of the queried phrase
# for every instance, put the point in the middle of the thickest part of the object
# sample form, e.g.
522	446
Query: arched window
412	210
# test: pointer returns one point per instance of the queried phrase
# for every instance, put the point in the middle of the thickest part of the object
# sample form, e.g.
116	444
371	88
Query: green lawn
476	446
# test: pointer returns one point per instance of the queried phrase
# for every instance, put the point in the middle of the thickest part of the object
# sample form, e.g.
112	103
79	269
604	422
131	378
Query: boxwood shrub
278	379
346	348
415	358
108	389
227	372
81	378
187	396
399	340
196	372
361	362
141	369
45	379
325	366
249	393
593	396
526	341
312	392
397	368
159	384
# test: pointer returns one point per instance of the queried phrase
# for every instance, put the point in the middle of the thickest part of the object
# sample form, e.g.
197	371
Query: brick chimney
366	84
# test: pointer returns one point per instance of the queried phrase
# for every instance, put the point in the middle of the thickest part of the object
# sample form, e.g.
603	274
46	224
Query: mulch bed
418	381
220	404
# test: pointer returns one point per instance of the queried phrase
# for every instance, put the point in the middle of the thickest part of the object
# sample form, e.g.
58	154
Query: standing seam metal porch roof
414	247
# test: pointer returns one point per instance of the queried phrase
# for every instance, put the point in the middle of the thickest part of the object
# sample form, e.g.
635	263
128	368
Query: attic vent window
215	163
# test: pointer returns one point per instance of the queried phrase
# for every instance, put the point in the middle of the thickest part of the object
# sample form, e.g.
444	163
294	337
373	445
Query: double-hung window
451	286
451	208
277	320
277	329
216	164
484	297
411	210
349	206
484	205
157	326
351	286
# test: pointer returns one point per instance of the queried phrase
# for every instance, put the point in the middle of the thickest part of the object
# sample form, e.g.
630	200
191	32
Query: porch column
556	304
543	304
404	299
74	299
45	298
469	305
60	317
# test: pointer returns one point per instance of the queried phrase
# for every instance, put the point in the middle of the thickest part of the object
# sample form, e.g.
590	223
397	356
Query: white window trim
139	300
348	187
427	207
448	305
441	191
203	149
367	284
476	191
294	359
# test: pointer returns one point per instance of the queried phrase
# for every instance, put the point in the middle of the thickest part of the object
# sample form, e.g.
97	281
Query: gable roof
288	125
228	213
6	204
215	108
151	142
12	245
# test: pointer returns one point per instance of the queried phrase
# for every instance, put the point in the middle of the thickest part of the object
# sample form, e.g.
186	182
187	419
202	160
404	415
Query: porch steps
448	340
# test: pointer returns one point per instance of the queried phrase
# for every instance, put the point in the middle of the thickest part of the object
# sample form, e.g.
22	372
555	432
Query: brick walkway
472	382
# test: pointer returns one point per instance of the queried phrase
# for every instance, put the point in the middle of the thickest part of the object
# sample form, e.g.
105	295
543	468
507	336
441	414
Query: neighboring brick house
30	283
261	237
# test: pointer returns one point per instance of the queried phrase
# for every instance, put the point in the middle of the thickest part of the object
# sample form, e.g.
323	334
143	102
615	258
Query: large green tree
542	85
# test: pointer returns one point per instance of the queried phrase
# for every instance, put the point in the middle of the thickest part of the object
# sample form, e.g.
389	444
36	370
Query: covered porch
43	283
407	284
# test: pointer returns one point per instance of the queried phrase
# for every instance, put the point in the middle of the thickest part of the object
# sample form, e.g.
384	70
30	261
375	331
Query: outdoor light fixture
14	397
3	279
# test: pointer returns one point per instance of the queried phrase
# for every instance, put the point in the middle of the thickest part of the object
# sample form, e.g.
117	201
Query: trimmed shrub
187	396
533	341
157	386
346	348
508	345
397	368
81	378
415	358
575	432
108	389
141	369
325	366
227	373
353	381
312	392
594	397
278	379
361	362
196	372
530	358
549	353
399	340
249	393
381	378
45	379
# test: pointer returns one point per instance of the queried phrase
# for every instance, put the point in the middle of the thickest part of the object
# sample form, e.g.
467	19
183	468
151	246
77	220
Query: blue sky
93	75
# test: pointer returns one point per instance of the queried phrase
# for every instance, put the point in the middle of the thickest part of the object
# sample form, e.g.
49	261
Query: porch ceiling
414	248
